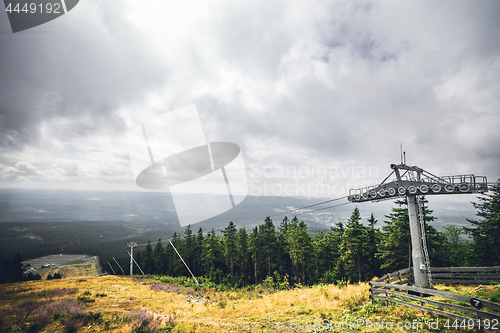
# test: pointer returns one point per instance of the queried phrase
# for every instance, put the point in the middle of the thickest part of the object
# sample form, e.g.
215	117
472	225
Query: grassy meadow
155	304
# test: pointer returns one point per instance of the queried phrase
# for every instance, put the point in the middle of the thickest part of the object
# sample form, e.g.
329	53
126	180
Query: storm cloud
329	84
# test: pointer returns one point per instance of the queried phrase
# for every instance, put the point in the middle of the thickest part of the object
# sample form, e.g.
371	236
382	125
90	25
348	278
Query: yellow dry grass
242	312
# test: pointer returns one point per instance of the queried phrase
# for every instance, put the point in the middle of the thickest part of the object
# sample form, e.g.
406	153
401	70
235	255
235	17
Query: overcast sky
315	93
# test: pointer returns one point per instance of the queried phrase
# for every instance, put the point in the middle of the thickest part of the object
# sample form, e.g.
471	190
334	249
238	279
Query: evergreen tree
243	255
212	251
300	250
284	225
395	248
177	267
230	246
158	258
485	232
338	229
147	259
33	277
255	244
372	248
199	253
325	260
282	253
456	248
339	272
353	247
268	238
188	247
165	256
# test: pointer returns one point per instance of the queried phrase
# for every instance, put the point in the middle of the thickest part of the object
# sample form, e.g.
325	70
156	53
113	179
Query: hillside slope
123	304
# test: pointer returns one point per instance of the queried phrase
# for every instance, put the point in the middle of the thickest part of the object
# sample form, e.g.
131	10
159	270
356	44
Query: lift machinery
414	182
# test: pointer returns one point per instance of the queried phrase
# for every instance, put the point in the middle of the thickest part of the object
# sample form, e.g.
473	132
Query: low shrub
85	299
143	321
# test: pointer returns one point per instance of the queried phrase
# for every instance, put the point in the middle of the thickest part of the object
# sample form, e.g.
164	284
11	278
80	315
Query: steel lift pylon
414	182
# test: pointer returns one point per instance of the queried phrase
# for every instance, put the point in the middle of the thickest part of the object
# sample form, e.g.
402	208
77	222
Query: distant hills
157	208
38	222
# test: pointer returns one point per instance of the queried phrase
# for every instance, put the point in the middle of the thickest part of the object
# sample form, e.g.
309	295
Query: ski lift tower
131	245
414	182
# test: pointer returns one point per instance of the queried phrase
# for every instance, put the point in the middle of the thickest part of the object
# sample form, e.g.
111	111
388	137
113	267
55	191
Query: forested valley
350	251
284	253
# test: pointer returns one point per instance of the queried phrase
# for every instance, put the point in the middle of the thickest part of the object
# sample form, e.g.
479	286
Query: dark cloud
78	76
342	83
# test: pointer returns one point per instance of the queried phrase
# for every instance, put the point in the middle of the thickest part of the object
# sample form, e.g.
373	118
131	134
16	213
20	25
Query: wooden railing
384	289
466	275
402	276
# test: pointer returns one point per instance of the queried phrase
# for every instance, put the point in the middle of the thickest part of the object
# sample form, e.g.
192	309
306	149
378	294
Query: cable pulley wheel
449	188
424	188
412	189
464	188
436	188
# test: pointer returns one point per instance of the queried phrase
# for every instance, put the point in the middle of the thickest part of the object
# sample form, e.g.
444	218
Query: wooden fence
450	275
385	289
465	275
402	276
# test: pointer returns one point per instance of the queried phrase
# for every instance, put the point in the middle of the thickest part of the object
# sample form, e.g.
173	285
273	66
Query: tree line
290	254
350	251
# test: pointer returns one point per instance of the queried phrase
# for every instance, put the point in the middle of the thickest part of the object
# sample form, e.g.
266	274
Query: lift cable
292	210
187	268
136	263
317	210
296	209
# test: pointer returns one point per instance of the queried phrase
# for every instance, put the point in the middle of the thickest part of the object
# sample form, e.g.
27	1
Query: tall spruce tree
268	236
255	244
339	273
230	246
188	247
199	253
485	232
374	236
176	263
395	248
147	259
326	249
243	255
158	258
282	255
353	248
300	249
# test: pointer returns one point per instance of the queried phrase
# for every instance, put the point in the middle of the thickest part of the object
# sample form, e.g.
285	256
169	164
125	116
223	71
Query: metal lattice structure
421	220
413	182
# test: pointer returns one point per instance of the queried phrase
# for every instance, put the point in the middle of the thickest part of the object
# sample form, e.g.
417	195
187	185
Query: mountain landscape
43	222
